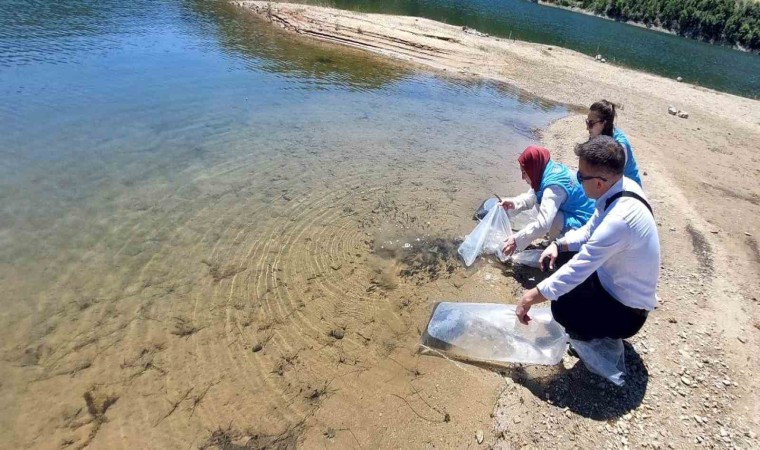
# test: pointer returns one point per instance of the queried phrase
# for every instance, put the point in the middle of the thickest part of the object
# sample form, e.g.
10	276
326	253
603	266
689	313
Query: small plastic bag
488	237
530	258
521	219
604	357
490	332
485	207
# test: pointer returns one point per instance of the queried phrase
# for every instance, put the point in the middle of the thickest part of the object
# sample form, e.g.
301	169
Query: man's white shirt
621	244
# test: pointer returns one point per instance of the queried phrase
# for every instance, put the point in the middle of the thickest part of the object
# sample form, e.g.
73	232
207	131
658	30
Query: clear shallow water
700	63
180	181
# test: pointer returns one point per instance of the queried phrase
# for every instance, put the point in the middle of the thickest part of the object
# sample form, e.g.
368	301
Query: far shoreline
642	25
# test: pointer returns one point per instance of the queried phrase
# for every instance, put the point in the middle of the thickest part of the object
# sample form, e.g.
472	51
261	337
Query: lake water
672	56
181	185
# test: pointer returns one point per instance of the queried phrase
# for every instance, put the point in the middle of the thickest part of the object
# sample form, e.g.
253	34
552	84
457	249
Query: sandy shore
701	174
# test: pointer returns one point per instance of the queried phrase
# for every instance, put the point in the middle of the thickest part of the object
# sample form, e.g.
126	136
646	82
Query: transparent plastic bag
521	219
528	258
485	207
490	332
604	357
488	237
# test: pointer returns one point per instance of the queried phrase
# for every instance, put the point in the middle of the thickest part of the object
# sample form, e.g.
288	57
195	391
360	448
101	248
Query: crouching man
607	289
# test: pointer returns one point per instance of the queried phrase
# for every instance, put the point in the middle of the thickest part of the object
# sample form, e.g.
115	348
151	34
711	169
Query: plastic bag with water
518	220
488	237
490	332
530	258
521	219
484	207
604	357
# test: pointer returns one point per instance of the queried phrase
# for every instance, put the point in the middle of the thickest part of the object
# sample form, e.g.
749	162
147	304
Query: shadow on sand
583	392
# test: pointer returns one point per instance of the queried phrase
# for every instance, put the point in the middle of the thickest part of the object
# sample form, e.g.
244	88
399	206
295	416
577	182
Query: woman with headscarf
562	204
601	120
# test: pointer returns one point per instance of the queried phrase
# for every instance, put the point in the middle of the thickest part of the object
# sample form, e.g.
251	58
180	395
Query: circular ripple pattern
226	252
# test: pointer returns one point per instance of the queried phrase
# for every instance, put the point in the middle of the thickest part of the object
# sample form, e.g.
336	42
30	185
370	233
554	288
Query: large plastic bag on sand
491	333
604	357
530	258
488	237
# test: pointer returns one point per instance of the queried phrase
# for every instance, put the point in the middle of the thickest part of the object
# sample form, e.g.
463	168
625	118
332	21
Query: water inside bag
491	333
488	237
530	258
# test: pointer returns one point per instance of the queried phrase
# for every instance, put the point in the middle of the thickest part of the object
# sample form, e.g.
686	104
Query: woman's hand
508	204
509	246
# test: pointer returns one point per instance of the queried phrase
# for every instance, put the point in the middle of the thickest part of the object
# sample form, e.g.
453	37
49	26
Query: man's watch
559	245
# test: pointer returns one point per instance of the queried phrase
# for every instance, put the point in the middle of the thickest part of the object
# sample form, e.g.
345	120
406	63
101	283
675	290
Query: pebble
257	347
479	436
686	381
337	333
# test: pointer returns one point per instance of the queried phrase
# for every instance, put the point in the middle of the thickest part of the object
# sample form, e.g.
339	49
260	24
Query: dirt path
693	366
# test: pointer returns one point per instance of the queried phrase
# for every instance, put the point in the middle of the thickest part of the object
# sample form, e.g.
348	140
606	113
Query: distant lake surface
717	67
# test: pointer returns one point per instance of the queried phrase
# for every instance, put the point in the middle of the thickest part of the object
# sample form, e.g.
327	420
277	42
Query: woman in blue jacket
561	200
601	120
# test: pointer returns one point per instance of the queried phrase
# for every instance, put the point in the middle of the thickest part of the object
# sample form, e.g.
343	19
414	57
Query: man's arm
573	239
610	237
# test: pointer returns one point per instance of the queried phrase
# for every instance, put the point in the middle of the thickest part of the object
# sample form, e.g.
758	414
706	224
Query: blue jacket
631	168
577	208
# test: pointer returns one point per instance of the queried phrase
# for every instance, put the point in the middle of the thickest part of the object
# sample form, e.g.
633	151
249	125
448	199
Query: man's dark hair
603	153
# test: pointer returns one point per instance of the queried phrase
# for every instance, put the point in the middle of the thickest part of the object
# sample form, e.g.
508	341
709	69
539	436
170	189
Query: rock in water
679	79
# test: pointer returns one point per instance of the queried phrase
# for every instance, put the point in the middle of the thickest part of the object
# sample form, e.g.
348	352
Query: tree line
735	22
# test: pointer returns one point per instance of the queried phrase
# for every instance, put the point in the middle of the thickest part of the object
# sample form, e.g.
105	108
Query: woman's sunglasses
591	123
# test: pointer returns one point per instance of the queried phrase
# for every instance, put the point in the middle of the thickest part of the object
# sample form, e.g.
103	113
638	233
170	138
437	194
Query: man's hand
509	246
551	254
506	204
528	299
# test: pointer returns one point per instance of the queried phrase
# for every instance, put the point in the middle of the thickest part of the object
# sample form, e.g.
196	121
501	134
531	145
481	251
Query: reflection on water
180	184
672	56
